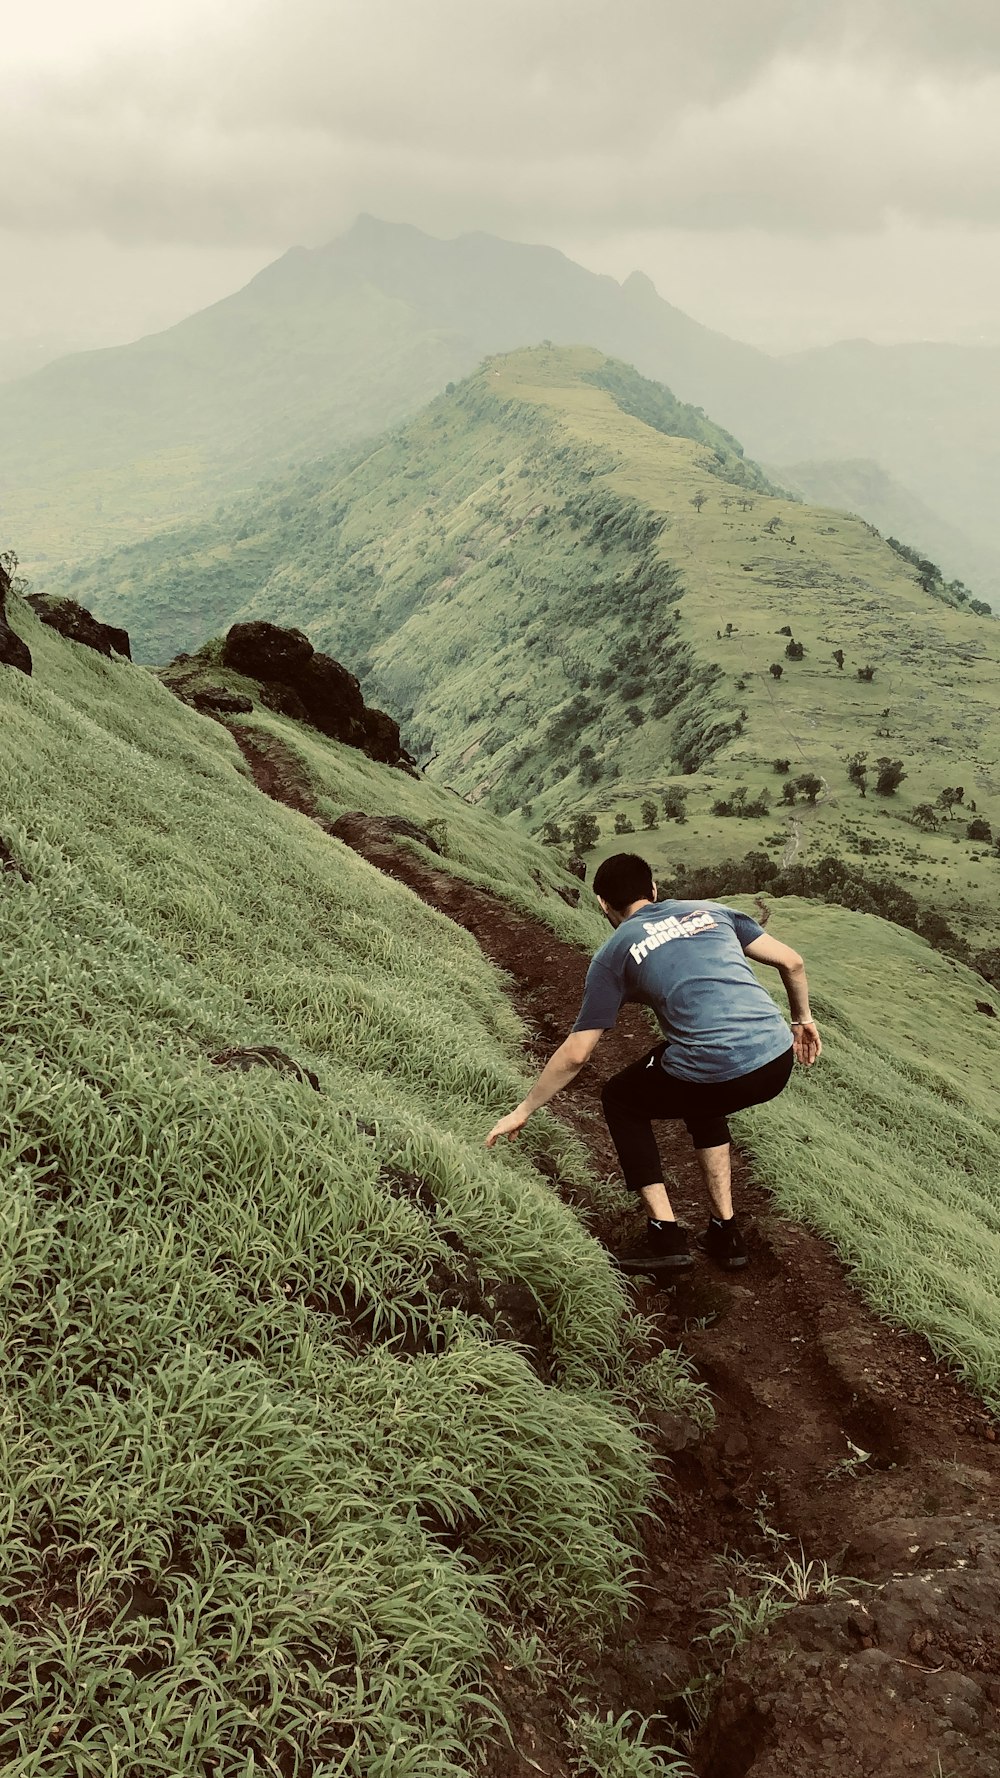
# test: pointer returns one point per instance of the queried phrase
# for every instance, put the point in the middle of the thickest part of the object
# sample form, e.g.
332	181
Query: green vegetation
307	1398
891	1146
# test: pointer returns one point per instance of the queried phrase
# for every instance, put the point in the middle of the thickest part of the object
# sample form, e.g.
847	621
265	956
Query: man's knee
709	1133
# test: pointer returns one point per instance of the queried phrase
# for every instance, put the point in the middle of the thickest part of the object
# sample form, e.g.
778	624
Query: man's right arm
792	970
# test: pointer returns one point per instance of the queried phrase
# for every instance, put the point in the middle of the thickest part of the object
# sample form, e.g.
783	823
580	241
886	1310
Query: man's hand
509	1126
806	1041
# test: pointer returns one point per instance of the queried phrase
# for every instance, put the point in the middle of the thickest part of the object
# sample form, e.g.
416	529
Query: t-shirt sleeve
746	929
602	998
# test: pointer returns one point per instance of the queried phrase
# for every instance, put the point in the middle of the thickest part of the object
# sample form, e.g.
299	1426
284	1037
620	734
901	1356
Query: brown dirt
798	1365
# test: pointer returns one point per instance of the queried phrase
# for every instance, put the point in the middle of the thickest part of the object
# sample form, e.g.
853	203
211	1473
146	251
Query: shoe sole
667	1262
725	1265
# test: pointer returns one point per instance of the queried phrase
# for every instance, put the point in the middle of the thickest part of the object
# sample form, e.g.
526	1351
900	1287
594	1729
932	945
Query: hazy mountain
329	345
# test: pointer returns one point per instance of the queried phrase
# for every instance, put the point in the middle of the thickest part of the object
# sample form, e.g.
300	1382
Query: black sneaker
724	1245
663	1248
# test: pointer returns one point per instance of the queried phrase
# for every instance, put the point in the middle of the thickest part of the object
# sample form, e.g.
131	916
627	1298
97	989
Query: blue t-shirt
685	960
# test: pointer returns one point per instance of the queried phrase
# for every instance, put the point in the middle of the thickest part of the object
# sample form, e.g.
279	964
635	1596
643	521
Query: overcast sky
791	171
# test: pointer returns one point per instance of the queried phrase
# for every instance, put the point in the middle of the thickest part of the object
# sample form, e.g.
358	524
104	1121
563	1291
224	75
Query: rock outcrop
298	681
79	625
13	652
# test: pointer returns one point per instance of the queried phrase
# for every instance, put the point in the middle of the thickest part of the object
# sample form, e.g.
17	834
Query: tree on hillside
772	525
551	835
809	785
788	791
698	500
635	714
584	833
649	814
890	776
776	669
948	799
781	766
979	830
623	824
838	655
745	502
924	817
794	651
867	674
674	799
857	772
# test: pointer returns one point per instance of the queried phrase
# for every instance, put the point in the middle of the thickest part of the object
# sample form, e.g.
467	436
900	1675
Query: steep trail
803	1373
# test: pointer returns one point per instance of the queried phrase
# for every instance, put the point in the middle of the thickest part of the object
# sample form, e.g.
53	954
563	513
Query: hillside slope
318	1420
283	1362
572	589
331	344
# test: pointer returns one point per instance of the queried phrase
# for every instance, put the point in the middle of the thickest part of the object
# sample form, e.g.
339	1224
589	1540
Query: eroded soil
898	1680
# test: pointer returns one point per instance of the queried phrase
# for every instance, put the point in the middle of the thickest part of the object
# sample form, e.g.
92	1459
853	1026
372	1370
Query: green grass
274	1474
890	1145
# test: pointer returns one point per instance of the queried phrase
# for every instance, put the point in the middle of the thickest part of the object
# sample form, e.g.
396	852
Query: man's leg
631	1100
717	1172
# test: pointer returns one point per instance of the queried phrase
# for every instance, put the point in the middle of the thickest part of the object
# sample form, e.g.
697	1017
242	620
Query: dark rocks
79	625
13	652
220	701
384	829
984	1006
264	1055
382	737
570	896
266	651
577	867
299	682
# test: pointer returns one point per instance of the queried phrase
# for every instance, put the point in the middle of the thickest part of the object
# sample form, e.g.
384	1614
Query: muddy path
804	1376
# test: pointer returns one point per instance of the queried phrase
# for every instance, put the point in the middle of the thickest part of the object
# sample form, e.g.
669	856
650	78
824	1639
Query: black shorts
633	1099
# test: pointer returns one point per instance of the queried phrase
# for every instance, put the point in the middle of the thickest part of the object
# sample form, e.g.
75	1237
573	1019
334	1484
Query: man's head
622	880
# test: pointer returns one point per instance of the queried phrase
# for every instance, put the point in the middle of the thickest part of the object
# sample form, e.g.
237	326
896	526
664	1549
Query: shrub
635	715
776	669
623	824
867	674
809	785
890	776
794	651
781	766
551	835
650	814
979	830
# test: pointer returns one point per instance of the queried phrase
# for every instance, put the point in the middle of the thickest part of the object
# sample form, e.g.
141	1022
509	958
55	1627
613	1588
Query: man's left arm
559	1070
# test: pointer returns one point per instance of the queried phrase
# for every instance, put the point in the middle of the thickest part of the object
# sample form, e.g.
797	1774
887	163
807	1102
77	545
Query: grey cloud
522	116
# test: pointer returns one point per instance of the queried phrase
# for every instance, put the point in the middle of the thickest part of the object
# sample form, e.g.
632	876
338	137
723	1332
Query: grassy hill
316	1415
281	1473
528	575
332	344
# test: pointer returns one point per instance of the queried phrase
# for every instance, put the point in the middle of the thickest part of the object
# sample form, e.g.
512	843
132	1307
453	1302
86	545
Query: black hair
622	879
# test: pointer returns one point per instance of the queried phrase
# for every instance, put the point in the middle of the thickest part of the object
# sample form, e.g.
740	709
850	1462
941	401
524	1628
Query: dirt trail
801	1371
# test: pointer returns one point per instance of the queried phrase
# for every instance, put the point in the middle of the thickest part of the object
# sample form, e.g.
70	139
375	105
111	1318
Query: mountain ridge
330	344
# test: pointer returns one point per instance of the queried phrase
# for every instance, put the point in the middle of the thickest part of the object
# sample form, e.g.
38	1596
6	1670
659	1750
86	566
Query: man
726	1046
